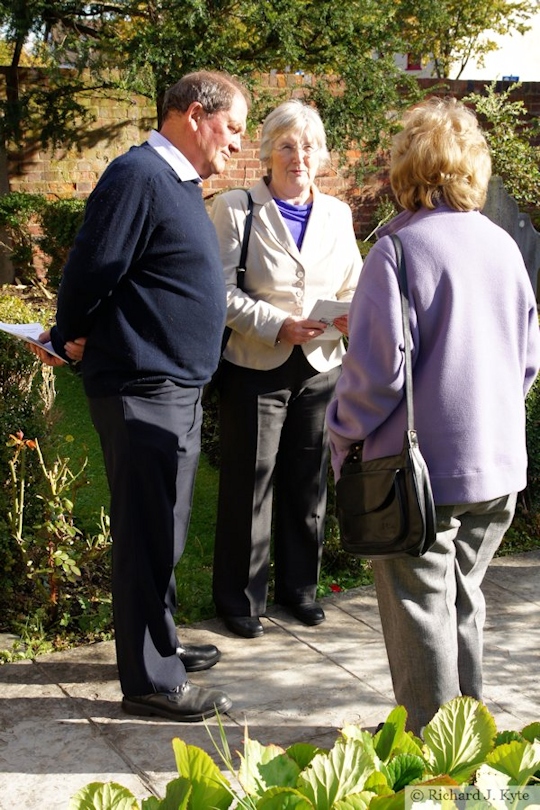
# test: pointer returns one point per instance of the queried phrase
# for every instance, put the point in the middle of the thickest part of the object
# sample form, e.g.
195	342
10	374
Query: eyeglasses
289	149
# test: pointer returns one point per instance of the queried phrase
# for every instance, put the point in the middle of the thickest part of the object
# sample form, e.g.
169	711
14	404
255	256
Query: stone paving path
61	726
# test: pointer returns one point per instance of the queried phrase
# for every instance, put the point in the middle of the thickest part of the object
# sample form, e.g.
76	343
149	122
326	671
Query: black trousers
274	460
151	444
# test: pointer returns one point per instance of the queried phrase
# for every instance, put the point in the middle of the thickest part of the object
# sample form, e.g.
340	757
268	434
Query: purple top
476	352
296	218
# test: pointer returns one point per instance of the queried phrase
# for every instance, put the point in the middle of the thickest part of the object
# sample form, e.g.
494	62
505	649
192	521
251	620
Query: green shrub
60	220
34	223
54	577
18	213
26	391
511	134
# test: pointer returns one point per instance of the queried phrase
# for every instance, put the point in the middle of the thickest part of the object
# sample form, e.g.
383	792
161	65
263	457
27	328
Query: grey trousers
151	442
433	610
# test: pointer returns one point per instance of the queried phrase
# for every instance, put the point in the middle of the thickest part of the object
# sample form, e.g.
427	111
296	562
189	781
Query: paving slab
61	724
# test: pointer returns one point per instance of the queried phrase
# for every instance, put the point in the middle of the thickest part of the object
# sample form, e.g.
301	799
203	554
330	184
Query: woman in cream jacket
279	372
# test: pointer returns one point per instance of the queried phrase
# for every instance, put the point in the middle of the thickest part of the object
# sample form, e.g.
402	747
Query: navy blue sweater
144	280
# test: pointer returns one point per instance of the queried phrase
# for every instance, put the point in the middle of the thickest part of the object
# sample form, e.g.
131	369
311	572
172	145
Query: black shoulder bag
213	386
241	269
385	506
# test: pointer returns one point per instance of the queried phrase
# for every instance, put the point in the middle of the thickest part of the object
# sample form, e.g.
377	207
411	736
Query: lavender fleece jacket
476	353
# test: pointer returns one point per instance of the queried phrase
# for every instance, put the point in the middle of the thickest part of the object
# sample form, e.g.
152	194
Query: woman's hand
299	331
342	323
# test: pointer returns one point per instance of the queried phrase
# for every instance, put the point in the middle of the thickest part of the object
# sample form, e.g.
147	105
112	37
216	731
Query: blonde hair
293	117
440	155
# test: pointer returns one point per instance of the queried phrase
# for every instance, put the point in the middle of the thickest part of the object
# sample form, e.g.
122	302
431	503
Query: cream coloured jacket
280	280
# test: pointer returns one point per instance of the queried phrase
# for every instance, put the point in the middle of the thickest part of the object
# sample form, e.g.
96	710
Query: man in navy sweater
143	295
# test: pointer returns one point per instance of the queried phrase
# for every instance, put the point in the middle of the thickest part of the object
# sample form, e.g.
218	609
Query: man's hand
75	349
43	354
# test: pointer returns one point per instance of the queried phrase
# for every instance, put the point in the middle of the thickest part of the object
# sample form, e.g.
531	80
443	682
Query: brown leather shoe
185	704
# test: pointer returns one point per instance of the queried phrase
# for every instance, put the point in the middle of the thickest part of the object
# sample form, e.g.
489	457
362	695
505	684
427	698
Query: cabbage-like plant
461	748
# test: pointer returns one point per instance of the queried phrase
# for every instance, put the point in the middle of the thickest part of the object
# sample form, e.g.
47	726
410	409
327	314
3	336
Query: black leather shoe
196	657
245	626
307	612
185	704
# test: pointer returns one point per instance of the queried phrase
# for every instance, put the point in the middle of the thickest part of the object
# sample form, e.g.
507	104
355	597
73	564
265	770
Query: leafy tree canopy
146	47
127	45
450	32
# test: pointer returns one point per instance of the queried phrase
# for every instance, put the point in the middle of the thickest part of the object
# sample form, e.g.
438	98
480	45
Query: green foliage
98	796
208	787
18	211
47	106
22	215
70	420
532	405
460	749
145	47
59	220
355	109
26	391
511	134
451	32
194	571
54	576
58	564
459	739
151	45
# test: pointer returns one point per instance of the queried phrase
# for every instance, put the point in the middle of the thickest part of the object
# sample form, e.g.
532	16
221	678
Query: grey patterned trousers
433	610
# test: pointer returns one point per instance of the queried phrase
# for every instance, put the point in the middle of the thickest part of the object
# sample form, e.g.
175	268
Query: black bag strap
241	269
404	290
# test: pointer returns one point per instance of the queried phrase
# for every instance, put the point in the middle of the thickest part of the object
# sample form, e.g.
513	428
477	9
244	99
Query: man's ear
194	114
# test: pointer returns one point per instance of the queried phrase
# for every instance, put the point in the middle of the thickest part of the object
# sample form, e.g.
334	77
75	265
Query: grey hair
293	116
214	90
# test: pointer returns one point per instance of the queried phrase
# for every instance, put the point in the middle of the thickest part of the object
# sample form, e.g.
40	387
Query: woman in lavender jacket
476	353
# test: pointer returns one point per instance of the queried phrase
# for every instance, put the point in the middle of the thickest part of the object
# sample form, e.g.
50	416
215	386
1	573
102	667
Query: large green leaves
458	738
284	799
518	760
361	771
531	732
265	766
103	796
209	788
333	776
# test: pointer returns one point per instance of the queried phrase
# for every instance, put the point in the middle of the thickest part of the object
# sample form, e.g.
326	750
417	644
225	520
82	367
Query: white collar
174	157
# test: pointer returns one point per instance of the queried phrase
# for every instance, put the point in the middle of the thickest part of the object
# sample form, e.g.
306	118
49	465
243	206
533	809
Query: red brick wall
119	123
